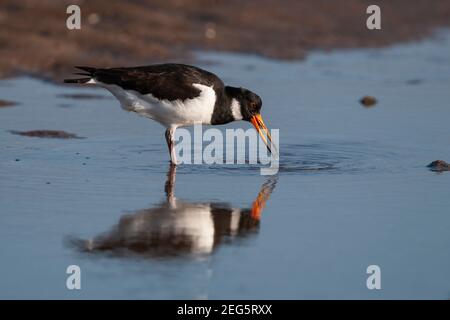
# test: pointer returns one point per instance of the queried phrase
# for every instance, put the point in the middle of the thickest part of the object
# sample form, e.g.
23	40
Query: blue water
353	188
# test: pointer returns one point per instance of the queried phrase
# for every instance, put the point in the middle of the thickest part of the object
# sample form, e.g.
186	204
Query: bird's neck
227	109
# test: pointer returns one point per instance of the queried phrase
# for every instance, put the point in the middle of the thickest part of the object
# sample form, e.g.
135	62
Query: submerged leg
169	187
170	138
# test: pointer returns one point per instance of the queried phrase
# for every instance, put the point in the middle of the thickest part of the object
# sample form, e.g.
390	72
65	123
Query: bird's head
249	109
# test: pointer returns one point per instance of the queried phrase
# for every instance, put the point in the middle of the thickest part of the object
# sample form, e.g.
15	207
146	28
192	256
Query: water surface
353	188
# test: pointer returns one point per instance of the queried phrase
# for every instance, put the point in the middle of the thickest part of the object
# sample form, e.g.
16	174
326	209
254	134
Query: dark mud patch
414	82
82	96
5	103
52	134
439	166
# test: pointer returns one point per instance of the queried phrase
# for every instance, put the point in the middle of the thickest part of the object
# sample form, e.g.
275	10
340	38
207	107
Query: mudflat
34	38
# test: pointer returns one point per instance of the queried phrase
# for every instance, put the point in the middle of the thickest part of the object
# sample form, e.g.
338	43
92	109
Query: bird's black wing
164	81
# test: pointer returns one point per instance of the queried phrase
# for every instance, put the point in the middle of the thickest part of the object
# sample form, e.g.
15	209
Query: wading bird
178	95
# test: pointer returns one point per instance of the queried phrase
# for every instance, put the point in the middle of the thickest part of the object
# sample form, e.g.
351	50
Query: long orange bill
258	123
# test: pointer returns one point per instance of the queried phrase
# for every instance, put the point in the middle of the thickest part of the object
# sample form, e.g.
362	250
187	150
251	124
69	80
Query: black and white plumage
177	95
177	227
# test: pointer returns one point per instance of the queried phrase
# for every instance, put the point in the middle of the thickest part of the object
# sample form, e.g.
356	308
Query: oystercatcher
178	95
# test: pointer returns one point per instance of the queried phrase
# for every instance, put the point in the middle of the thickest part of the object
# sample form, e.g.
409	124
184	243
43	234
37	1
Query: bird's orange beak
258	123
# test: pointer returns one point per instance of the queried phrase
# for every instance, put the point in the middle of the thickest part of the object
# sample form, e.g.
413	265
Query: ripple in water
336	158
323	157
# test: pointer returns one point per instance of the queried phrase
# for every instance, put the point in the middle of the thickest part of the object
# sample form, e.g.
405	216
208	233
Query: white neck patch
236	109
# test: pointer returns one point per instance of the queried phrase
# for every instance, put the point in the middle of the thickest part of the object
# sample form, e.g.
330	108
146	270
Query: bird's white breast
169	113
189	221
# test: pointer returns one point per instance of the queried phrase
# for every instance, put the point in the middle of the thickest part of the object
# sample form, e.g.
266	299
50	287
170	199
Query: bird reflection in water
176	227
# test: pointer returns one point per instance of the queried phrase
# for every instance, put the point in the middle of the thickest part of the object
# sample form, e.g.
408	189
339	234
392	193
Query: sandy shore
34	38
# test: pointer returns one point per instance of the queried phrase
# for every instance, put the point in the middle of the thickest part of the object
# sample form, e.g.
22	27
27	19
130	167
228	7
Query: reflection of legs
263	195
169	187
170	139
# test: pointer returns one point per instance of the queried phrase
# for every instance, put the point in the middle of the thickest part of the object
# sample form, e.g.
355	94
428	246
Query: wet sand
34	39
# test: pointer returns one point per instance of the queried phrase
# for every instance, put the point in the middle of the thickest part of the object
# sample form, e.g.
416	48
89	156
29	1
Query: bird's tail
79	80
88	71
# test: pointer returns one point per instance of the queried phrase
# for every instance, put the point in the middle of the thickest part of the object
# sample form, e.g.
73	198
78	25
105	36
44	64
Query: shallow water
353	188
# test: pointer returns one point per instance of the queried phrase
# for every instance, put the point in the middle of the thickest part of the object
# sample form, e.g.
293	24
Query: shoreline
202	58
139	33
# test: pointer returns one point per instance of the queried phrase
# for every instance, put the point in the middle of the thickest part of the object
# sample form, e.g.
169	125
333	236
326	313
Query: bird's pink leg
170	139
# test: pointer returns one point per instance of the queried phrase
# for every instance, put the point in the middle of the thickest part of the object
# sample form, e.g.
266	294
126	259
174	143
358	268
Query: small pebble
439	165
368	101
